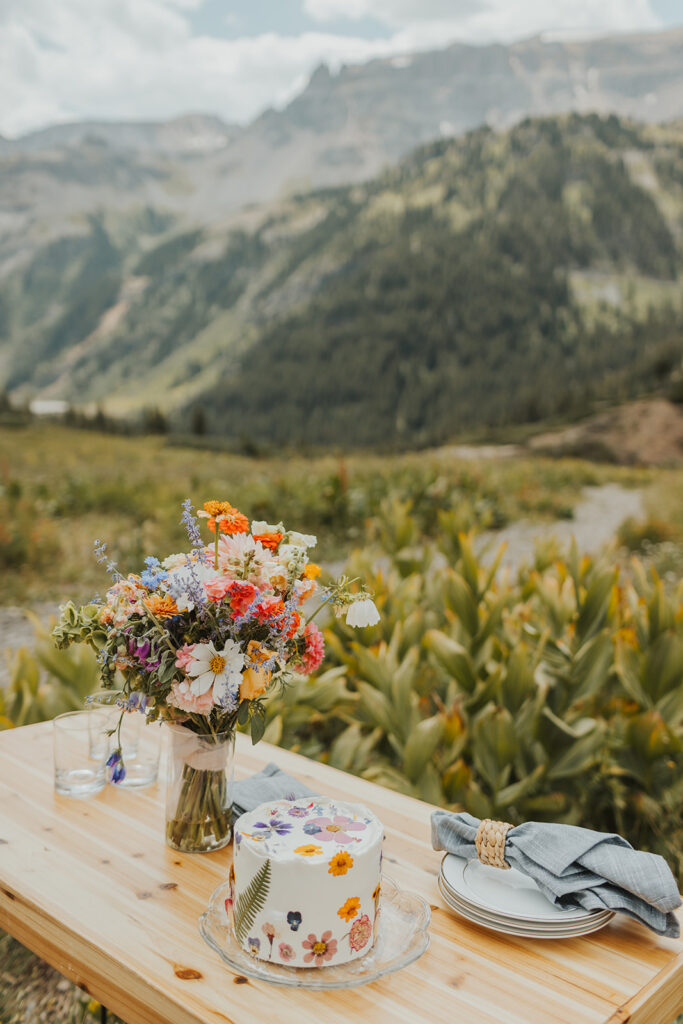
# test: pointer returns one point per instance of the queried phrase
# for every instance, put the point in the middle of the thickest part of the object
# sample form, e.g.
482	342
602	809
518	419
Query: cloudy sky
65	60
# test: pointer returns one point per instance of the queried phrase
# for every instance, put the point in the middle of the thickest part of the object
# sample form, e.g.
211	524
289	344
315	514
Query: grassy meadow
60	489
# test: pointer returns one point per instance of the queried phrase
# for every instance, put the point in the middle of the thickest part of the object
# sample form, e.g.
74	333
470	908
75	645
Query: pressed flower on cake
308	850
340	863
350	908
360	933
336	829
266	828
320	949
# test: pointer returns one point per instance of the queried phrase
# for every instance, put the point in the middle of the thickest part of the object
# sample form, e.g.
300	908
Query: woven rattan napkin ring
490	842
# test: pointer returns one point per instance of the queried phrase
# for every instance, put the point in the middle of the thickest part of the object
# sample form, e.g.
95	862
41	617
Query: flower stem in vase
199	803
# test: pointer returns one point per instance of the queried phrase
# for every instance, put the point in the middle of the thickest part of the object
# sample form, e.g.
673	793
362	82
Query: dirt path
597	518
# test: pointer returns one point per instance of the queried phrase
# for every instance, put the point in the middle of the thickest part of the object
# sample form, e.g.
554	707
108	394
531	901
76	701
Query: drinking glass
140	741
80	752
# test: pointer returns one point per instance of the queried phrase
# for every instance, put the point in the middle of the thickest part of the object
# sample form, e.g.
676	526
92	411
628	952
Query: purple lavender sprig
100	549
191	524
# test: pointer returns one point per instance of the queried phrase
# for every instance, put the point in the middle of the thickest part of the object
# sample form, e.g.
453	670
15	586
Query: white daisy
259	526
301	540
362	613
220	669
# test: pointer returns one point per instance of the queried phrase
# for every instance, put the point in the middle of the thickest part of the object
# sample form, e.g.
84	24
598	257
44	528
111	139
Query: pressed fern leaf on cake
251	901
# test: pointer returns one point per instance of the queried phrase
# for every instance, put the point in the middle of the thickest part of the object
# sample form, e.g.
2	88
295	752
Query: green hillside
454	306
495	279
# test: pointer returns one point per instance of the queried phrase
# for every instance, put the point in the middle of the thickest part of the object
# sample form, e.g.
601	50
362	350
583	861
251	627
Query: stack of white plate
510	902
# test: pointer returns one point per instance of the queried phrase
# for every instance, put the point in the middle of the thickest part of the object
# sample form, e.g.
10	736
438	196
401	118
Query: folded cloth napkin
270	784
577	867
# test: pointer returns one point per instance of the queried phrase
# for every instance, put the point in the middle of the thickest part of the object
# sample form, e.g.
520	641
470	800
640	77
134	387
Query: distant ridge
502	277
341	128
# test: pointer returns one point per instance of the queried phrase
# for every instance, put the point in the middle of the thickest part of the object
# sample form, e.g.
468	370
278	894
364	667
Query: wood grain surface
91	887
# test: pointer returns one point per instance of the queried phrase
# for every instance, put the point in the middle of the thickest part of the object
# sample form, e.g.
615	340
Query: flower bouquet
199	640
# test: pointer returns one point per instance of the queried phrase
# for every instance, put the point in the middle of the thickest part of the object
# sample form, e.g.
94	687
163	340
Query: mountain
342	128
502	277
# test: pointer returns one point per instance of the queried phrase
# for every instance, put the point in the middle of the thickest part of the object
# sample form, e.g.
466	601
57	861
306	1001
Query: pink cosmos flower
181	696
321	949
184	656
335	830
217	589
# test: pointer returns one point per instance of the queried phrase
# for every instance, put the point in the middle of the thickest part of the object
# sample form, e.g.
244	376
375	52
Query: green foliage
438	309
45	682
552	696
251	901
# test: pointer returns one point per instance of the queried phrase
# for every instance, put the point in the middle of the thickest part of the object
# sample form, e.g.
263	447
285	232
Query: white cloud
476	20
66	60
391	12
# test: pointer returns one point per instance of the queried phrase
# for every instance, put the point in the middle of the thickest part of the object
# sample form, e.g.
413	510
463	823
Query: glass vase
199	790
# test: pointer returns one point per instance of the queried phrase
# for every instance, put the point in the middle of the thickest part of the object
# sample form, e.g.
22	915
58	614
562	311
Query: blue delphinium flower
154	574
118	772
310	829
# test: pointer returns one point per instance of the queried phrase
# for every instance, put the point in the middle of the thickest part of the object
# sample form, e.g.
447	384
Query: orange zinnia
312	571
214	508
162	607
230	520
269	540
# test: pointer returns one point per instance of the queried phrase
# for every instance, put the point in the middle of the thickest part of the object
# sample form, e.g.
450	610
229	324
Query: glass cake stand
402	937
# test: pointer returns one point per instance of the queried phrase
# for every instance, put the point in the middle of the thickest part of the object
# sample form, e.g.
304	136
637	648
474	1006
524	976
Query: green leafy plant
45	682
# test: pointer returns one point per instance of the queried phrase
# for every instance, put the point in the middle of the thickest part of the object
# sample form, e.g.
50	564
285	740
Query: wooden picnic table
91	887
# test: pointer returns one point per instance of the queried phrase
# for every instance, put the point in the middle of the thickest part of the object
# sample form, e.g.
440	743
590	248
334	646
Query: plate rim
554	925
310	978
575	915
521	931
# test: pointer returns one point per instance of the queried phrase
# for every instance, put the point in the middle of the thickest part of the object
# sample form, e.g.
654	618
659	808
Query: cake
305	881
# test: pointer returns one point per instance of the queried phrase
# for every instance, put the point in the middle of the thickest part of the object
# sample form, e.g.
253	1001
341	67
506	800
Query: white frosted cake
306	881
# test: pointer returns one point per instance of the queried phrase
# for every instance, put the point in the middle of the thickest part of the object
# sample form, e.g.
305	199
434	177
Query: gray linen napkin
270	784
577	867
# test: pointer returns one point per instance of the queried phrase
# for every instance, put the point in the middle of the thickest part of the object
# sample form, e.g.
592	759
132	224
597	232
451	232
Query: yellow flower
309	850
312	571
255	680
350	908
340	863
